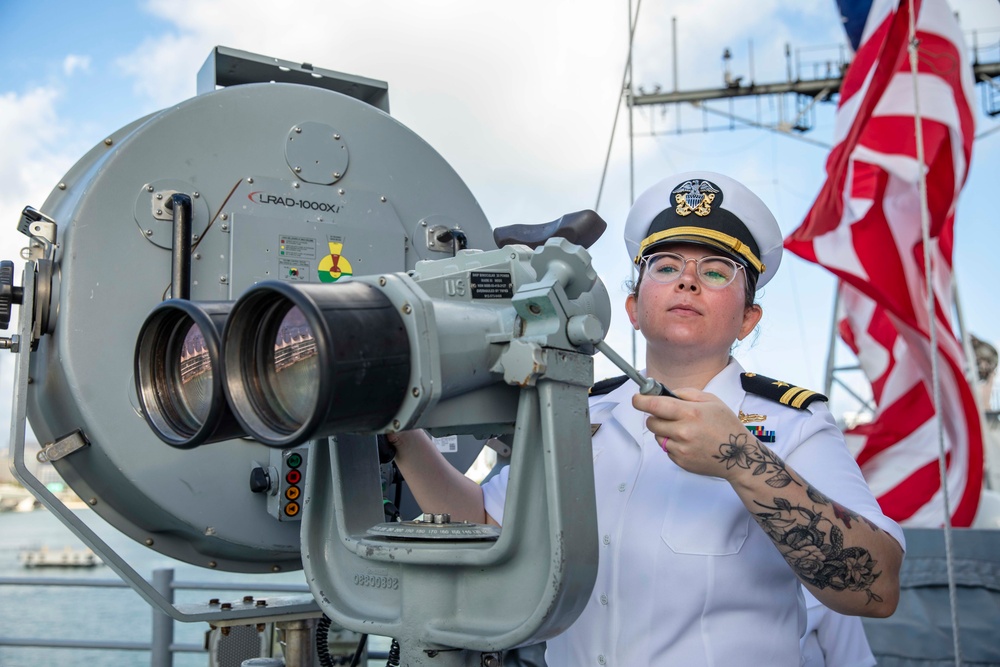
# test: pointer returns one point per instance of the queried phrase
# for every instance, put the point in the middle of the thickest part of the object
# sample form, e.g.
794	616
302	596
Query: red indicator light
293	477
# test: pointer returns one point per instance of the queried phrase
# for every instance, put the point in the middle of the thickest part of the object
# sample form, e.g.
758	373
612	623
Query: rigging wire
932	324
632	22
626	85
626	77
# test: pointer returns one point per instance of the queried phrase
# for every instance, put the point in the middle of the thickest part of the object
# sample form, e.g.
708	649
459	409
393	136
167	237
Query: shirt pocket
704	517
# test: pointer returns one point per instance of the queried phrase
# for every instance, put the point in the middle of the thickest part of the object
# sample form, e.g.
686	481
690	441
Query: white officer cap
710	209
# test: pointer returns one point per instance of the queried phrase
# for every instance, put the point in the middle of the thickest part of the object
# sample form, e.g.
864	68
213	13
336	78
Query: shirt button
601	660
622	487
607	539
604	599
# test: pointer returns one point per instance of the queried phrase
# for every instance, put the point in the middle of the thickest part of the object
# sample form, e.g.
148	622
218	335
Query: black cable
393	660
356	660
398	481
323	642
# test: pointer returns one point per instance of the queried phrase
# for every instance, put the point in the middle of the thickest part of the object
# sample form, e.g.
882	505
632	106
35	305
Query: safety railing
161	646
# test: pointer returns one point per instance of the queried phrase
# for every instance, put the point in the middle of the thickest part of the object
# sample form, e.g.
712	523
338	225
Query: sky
519	97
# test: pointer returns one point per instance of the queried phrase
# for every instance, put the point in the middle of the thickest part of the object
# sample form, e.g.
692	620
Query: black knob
9	295
260	481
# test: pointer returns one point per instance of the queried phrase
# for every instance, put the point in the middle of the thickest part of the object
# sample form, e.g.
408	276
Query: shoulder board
607	386
780	392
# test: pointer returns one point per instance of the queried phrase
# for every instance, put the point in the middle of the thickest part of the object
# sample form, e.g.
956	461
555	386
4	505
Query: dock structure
66	557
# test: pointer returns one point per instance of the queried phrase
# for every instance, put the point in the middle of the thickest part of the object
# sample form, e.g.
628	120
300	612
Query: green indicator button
294	460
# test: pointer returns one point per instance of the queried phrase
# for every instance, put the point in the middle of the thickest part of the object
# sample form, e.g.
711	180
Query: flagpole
831	351
932	327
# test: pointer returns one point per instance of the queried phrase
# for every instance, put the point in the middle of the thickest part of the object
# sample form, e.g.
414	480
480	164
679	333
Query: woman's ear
751	317
632	308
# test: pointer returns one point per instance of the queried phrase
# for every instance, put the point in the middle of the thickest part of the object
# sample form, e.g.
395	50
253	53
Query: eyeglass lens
666	267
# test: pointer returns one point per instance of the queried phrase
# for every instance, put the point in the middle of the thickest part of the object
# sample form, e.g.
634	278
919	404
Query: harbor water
92	614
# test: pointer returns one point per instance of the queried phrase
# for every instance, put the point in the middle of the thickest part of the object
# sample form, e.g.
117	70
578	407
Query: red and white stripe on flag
865	226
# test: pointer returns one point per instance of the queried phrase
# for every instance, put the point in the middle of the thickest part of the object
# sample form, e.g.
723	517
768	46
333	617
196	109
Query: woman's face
686	317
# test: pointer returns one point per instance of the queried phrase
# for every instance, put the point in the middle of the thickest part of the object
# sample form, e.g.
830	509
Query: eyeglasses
715	272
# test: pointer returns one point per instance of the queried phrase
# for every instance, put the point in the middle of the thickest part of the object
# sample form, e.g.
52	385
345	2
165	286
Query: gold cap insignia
694	196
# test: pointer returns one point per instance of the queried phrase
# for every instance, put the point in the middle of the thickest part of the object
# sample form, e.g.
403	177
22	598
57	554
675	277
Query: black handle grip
582	228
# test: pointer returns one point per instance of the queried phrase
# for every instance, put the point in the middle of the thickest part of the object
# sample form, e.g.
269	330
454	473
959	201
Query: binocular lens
190	376
307	361
178	372
291	375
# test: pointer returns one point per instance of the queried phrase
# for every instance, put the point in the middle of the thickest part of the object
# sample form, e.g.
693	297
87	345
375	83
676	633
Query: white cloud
34	140
75	63
31	133
472	81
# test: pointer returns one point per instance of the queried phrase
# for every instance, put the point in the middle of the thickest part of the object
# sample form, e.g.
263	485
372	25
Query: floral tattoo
811	542
740	451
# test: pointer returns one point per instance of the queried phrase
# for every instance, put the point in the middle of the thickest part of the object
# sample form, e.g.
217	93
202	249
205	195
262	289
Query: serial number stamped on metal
376	581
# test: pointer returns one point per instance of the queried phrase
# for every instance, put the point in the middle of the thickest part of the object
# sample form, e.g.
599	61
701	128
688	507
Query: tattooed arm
847	562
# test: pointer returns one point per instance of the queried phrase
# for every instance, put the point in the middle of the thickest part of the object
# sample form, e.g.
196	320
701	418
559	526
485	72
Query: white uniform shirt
832	639
685	576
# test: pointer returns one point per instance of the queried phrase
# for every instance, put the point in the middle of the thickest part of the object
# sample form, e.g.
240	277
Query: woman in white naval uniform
714	507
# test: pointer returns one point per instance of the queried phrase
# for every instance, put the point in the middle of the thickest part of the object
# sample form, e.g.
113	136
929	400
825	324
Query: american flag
865	226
